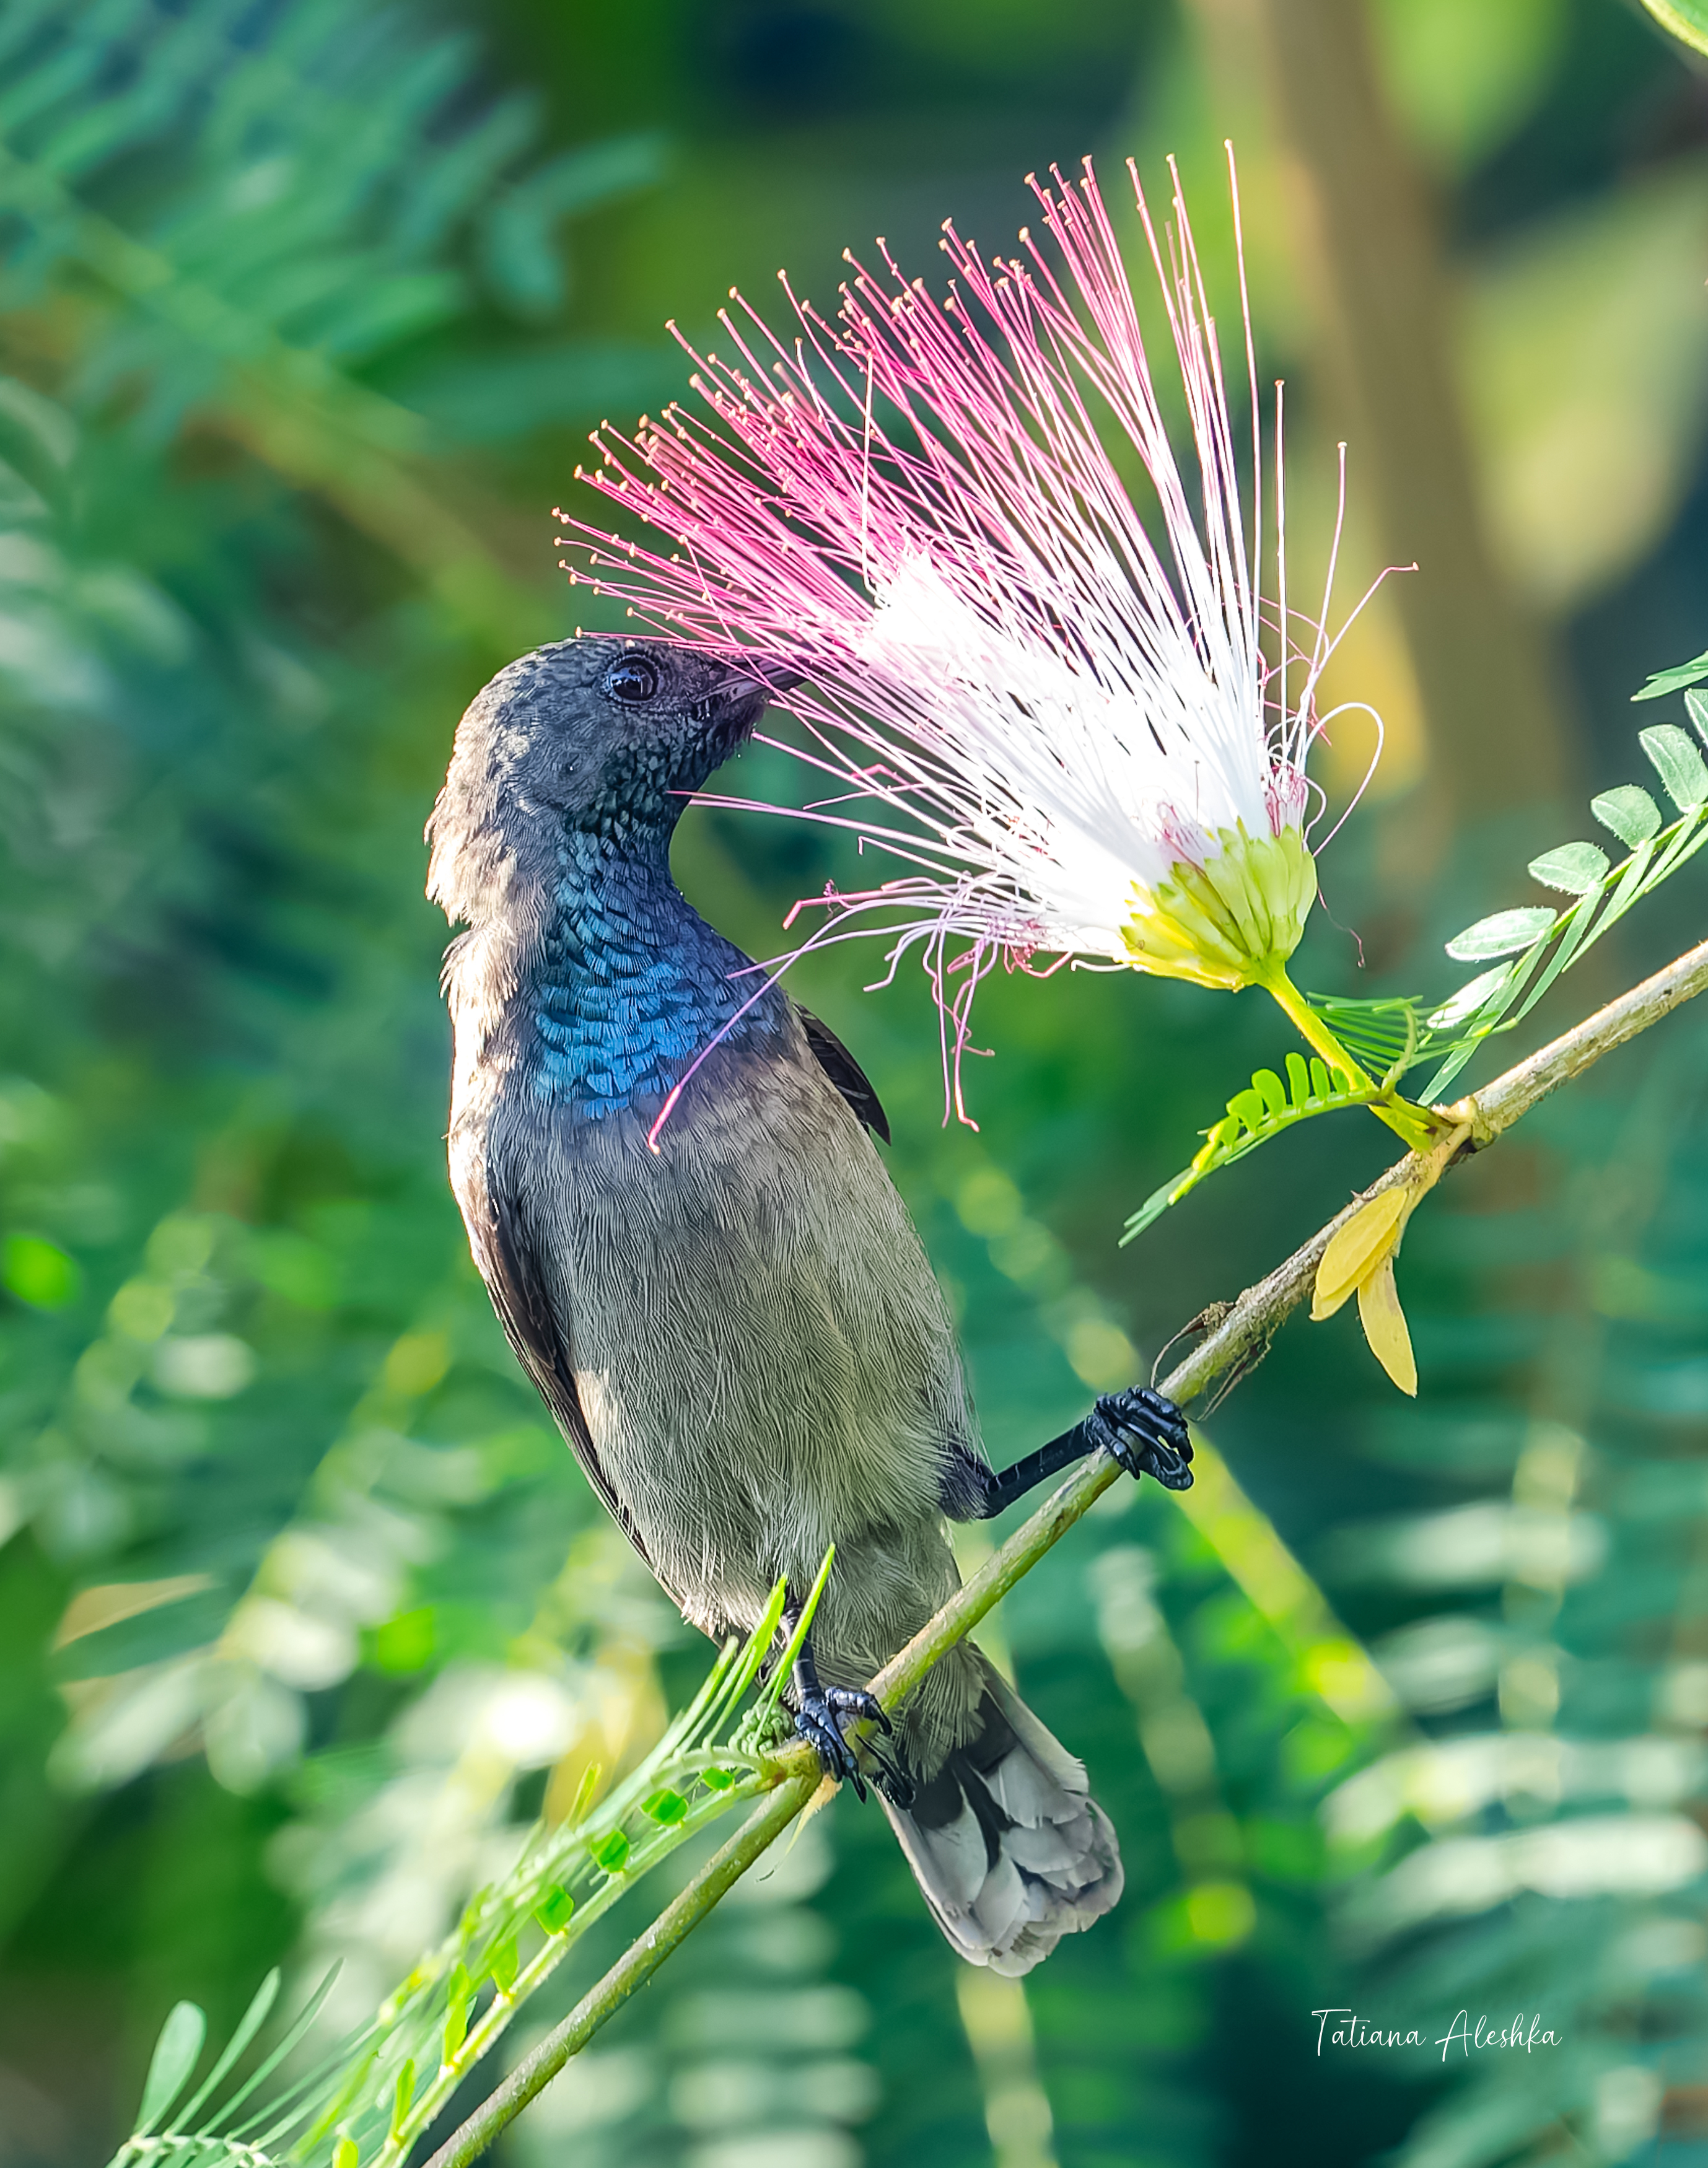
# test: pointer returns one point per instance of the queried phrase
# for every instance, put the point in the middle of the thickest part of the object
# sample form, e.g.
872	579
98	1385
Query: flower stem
1411	1124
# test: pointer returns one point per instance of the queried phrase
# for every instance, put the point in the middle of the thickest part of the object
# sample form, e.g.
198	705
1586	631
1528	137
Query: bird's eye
632	680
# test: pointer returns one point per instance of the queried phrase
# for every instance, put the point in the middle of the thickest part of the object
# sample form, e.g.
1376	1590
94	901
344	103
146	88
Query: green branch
1243	1336
636	1965
1236	1344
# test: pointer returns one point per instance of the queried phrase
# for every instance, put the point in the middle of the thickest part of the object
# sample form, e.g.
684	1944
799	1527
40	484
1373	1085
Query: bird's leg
1146	1434
819	1710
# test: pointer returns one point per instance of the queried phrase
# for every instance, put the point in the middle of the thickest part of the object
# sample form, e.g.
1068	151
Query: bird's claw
1146	1434
819	1722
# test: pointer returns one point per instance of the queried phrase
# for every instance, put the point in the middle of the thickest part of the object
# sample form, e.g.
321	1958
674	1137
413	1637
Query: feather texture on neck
631	985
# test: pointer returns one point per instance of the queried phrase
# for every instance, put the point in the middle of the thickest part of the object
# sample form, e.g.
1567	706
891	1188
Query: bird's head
600	736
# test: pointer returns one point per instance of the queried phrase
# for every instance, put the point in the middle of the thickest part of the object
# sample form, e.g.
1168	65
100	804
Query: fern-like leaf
1384	1035
254	209
374	2093
1266	1109
1542	943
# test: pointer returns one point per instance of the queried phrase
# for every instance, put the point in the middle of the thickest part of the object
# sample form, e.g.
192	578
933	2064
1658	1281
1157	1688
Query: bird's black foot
1146	1434
818	1720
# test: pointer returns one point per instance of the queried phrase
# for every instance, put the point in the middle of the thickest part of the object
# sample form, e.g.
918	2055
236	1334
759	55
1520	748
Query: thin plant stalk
1236	1345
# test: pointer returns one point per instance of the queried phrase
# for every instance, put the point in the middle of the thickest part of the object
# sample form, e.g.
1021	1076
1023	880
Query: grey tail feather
1006	1842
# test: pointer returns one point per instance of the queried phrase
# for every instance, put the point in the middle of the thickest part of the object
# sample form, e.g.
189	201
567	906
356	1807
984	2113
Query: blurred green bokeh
304	1611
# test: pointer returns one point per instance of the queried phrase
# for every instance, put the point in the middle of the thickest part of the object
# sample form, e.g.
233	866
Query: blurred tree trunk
1367	237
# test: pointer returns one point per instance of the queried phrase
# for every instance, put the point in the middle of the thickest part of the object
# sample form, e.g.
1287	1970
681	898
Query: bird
728	1310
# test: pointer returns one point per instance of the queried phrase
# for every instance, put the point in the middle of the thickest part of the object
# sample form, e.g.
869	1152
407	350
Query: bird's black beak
765	679
770	680
728	710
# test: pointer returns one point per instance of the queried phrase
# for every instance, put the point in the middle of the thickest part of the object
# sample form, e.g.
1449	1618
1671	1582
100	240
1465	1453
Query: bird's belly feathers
763	1356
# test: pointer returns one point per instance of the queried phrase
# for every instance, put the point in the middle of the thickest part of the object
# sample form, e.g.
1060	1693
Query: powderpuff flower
1056	710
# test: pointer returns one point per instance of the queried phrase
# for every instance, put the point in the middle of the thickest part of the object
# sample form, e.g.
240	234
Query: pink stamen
911	502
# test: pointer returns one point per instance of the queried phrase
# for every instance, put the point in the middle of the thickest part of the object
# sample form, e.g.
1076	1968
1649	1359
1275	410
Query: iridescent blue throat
633	984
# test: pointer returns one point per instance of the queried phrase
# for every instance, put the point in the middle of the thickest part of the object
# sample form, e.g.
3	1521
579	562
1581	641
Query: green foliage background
306	307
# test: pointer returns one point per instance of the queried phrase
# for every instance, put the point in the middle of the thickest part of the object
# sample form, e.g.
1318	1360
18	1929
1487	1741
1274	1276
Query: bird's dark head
605	738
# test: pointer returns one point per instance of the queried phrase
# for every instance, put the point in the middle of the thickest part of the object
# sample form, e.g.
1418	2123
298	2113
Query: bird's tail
1007	1843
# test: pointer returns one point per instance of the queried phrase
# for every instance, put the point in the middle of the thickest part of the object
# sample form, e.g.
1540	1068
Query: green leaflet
402	2092
1688	21
1678	764
1492	1002
1527	948
248	2025
175	2057
1254	1116
1629	812
554	1909
1681	675
370	2096
1574	869
1501	935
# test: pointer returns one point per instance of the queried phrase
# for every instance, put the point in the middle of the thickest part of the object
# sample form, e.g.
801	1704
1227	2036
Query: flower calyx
1231	922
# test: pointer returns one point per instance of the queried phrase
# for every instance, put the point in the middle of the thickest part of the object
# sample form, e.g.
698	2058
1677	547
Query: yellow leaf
1353	1252
1385	1327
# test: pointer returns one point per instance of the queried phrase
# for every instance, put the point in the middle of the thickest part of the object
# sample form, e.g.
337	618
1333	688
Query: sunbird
667	1171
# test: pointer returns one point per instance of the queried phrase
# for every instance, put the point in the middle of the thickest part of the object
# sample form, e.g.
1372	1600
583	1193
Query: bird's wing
509	1261
845	1073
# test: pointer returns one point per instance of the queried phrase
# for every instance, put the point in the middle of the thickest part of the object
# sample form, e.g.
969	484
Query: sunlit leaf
1354	1249
1573	929
1384	1324
554	1910
1574	869
175	2057
1263	1111
1629	812
585	1792
1696	707
1270	1090
1501	934
612	1852
1688	21
248	2026
1678	763
1628	885
1681	673
402	2093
